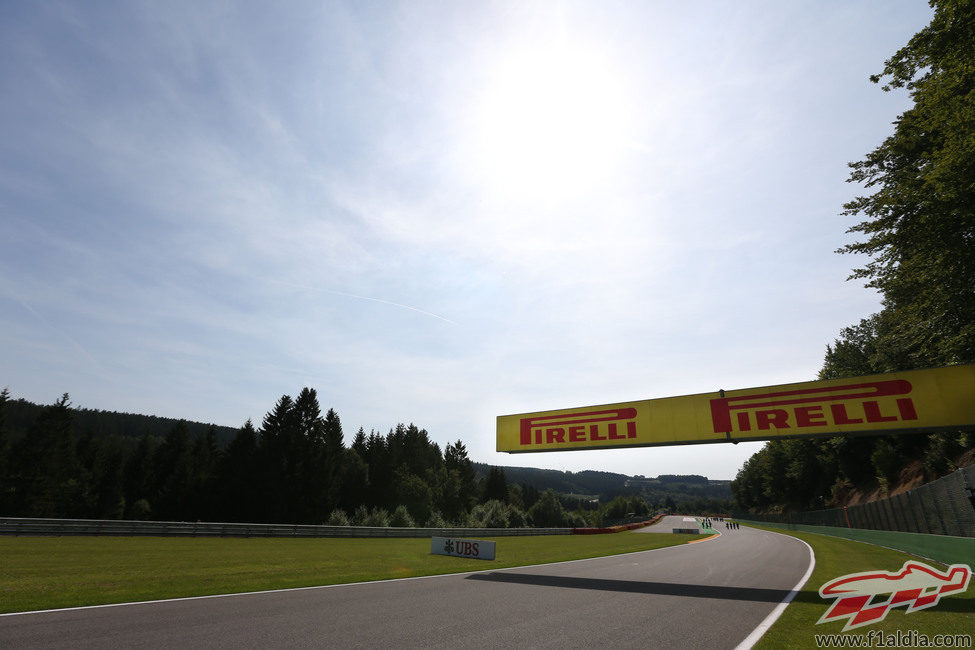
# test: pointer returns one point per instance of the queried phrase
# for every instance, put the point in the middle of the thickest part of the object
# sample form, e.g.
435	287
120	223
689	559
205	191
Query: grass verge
54	572
797	627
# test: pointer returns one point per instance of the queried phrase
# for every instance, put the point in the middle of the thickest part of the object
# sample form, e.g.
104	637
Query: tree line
294	468
918	230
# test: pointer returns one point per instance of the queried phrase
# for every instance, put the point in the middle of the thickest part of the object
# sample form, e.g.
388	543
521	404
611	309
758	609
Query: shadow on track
955	605
638	587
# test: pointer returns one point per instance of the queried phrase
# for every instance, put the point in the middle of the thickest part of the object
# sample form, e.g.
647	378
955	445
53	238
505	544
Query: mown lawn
836	557
54	572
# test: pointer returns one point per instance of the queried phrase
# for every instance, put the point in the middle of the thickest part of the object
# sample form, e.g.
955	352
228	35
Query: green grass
53	572
836	557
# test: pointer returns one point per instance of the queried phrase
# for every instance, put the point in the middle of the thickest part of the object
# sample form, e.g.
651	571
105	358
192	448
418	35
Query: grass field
53	572
836	557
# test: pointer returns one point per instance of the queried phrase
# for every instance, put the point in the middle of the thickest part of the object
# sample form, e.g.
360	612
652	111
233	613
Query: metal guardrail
65	527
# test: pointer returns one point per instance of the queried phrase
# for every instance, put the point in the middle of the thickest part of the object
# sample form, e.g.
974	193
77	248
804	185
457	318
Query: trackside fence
65	527
943	507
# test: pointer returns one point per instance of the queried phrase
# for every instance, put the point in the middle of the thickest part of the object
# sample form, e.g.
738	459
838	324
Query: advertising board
477	549
900	402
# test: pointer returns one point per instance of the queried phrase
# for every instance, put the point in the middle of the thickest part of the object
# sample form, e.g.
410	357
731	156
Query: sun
551	123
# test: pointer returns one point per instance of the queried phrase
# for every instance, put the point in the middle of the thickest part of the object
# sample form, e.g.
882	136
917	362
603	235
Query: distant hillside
607	485
20	414
680	488
585	482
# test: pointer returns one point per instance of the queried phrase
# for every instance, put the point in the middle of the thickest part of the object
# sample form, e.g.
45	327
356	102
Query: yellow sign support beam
898	402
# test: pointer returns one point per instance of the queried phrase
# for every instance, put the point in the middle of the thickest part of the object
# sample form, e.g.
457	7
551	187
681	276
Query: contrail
380	300
59	332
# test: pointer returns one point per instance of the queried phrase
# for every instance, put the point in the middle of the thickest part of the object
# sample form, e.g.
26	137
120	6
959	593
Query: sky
433	212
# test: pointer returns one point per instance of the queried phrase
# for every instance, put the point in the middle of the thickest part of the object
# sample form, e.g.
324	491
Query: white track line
341	584
750	640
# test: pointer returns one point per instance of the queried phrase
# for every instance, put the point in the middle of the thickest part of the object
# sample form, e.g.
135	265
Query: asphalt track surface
708	594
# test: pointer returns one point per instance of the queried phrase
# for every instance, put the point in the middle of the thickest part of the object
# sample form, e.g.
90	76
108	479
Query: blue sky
432	212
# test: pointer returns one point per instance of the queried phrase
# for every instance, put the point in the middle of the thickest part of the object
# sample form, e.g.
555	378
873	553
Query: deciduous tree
919	222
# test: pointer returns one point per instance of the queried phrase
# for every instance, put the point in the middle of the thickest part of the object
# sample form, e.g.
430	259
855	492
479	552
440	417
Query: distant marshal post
899	402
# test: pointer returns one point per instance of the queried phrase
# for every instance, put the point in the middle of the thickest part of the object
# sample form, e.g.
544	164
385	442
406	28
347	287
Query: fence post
956	515
917	509
889	514
867	515
899	512
878	515
931	513
969	495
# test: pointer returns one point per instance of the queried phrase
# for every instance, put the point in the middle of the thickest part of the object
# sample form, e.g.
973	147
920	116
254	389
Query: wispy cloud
358	297
211	204
94	366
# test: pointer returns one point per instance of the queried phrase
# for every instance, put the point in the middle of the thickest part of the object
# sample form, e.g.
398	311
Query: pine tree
333	434
359	443
5	487
46	473
107	492
138	477
205	457
308	473
379	458
351	488
307	416
496	486
455	458
278	435
238	478
173	462
277	421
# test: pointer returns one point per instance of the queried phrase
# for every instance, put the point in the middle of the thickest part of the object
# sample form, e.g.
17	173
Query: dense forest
57	461
19	415
918	230
294	468
687	493
577	483
673	493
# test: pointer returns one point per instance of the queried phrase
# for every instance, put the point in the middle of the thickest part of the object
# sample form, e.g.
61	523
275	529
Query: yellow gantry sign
939	398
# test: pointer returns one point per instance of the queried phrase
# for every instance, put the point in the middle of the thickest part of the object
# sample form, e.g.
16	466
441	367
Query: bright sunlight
551	124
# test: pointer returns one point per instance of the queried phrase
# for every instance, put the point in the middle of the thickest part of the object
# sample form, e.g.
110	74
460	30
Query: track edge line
749	641
337	584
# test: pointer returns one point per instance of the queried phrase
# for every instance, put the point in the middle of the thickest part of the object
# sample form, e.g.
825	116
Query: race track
707	594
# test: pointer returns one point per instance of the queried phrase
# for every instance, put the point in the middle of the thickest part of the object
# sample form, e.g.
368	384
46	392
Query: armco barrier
64	527
942	548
